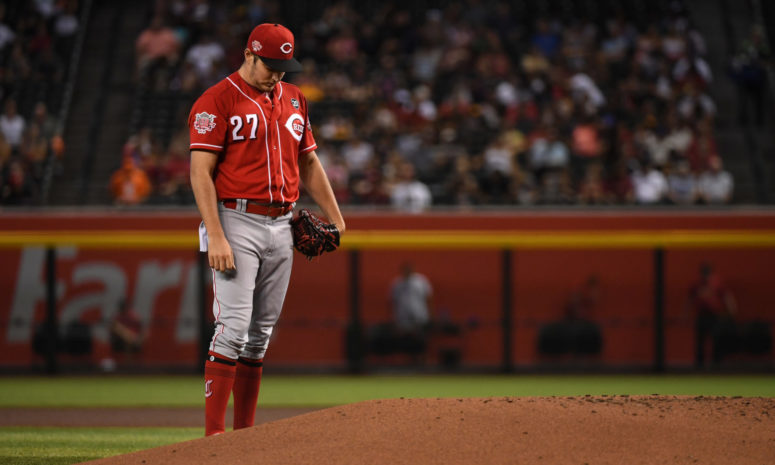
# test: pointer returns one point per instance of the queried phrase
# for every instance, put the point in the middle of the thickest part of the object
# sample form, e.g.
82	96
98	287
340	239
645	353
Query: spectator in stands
48	67
546	39
186	79
674	43
497	187
591	191
712	304
460	186
19	66
7	35
35	149
715	185
173	182
46	8
65	28
525	188
39	141
443	153
618	186
499	156
12	125
17	188
338	175
367	187
534	62
408	193
693	68
586	93
548	152
682	185
556	188
157	44
130	184
675	137
357	154
748	69
41	40
586	145
649	184
45	122
702	148
207	57
308	80
140	146
694	104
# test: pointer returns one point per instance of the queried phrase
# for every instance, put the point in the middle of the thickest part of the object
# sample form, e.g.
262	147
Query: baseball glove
313	236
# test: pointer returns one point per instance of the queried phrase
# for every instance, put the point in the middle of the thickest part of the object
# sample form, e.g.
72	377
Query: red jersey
709	295
258	137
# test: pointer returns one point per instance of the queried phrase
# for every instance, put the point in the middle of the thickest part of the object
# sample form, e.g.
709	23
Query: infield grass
49	446
324	391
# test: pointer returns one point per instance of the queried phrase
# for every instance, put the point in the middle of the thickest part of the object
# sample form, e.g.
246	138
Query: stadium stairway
98	123
747	152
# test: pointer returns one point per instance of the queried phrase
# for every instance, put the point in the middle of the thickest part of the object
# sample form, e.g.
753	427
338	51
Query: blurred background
498	116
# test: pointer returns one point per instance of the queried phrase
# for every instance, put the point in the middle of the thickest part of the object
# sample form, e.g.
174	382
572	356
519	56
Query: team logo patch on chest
204	122
295	126
295	103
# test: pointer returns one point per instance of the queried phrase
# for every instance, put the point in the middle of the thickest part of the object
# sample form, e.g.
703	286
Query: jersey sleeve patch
204	122
207	123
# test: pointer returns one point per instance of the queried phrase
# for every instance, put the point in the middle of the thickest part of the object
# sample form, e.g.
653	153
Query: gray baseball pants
248	301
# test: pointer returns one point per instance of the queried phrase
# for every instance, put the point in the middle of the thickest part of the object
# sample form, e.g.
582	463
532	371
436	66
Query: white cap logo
286	48
257	46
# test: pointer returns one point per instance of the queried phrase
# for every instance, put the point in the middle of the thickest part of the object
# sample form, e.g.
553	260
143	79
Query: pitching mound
578	430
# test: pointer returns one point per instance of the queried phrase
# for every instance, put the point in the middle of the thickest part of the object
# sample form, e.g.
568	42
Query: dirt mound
577	430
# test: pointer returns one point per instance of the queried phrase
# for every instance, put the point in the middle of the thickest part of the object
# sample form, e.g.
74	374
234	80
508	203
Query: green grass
322	391
39	446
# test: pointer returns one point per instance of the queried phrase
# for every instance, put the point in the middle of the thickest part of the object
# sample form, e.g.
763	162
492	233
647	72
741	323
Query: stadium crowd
470	103
36	39
474	102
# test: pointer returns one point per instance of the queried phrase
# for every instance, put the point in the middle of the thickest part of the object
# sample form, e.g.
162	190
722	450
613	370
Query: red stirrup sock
219	378
246	384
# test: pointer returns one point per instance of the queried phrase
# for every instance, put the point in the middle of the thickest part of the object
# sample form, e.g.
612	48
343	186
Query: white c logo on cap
286	47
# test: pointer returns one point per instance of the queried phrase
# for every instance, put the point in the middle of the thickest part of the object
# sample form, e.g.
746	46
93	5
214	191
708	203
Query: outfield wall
163	286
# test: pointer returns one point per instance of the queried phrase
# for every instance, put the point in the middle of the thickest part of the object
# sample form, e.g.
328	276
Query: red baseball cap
273	43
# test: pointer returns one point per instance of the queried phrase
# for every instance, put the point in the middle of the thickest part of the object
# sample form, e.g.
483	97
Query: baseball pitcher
251	146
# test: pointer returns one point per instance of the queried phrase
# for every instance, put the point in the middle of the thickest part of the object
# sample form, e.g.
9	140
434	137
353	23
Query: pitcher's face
259	75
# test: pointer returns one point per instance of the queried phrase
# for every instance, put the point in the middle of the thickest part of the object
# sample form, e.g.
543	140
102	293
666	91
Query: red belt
273	210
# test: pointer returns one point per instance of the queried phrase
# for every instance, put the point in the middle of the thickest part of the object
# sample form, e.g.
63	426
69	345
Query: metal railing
67	98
